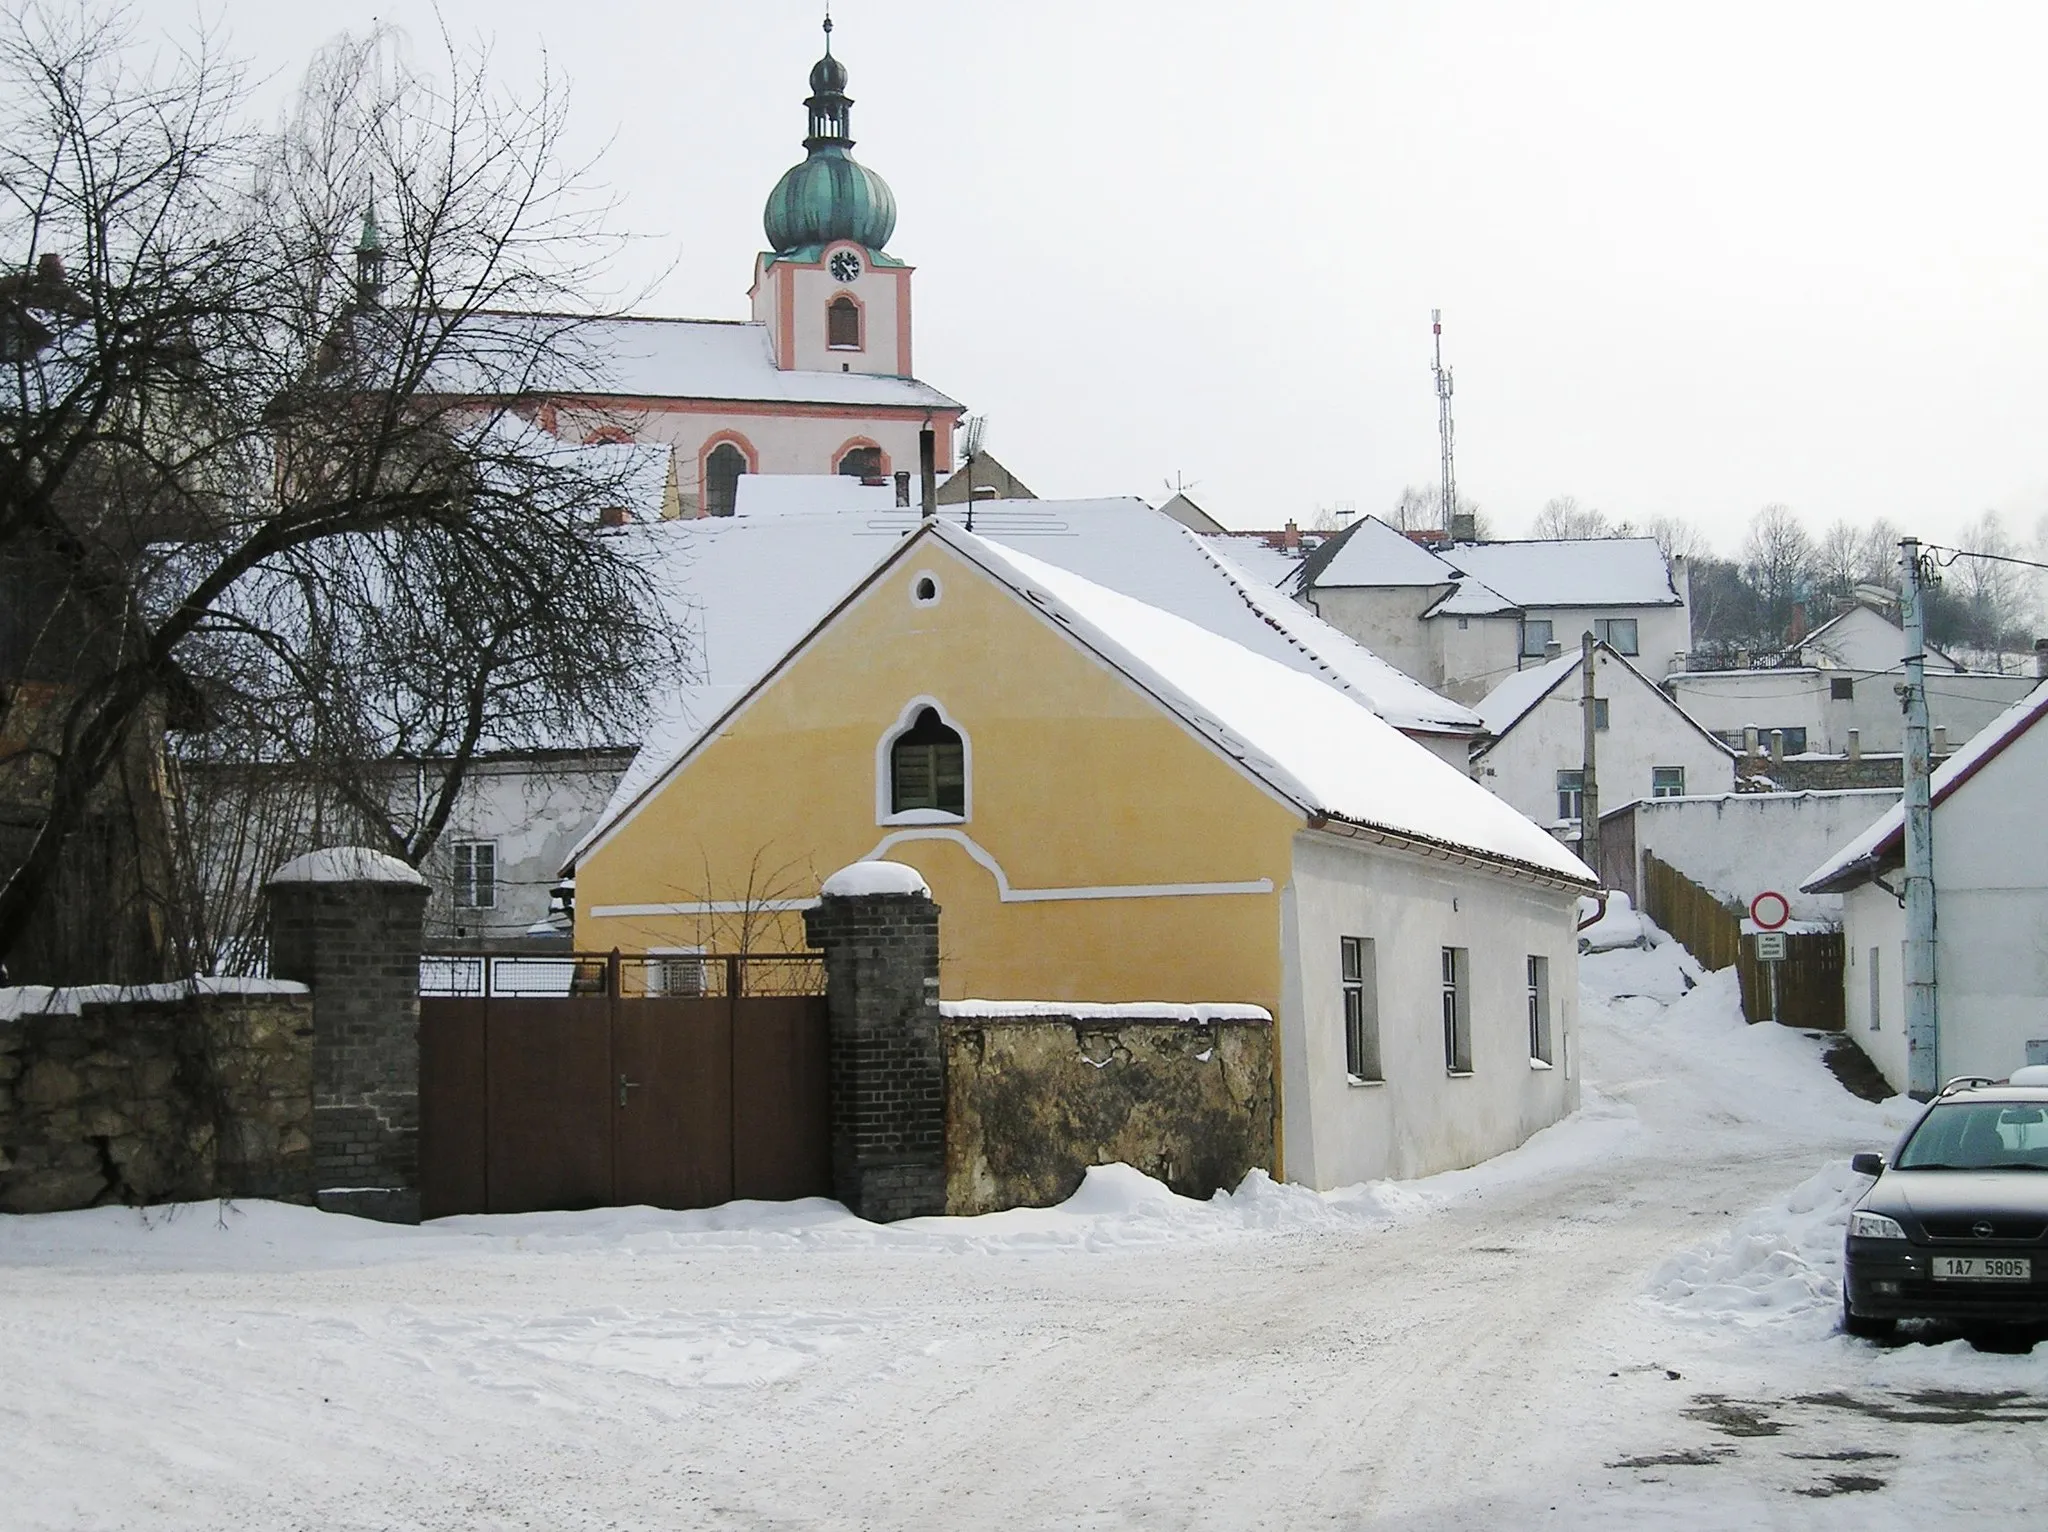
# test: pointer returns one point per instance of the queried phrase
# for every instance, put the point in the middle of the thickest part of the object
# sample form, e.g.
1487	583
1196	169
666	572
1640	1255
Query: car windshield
1978	1135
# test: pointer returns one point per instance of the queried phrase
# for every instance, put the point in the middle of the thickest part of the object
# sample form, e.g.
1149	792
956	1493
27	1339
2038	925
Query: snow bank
1618	926
40	999
1082	1010
860	878
1781	1266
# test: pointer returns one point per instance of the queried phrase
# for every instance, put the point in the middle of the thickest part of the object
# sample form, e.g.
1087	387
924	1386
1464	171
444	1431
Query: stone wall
1037	1094
159	1095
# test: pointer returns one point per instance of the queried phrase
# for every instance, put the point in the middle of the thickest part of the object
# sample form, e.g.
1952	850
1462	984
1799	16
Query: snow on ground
1629	1322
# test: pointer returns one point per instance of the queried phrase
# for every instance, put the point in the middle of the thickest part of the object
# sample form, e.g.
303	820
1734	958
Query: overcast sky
1690	260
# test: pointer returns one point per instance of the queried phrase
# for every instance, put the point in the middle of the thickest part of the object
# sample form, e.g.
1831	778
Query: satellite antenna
973	432
1443	418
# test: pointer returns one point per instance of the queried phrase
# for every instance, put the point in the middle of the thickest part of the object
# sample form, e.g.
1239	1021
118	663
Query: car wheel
1865	1326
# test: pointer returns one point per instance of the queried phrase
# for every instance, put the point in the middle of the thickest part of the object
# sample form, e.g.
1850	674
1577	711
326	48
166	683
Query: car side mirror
1867	1164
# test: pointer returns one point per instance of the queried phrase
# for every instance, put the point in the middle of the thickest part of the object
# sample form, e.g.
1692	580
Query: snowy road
1585	1334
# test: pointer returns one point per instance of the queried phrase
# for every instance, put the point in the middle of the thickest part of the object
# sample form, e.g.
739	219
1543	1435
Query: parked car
1956	1224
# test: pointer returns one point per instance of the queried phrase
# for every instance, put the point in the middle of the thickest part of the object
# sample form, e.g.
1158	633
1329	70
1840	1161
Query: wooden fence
1809	978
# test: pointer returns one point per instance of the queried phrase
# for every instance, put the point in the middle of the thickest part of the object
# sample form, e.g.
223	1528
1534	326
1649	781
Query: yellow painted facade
1080	785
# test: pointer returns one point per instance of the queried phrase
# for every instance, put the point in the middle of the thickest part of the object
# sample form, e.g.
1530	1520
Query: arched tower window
722	470
862	463
928	767
842	323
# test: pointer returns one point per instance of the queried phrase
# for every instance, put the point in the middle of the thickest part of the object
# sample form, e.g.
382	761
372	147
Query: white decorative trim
703	907
905	720
1010	895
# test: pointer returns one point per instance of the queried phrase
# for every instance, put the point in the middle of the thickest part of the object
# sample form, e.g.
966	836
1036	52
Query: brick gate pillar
347	922
880	933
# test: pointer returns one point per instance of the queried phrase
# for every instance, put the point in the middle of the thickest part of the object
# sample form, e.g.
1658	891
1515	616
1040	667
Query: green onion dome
830	195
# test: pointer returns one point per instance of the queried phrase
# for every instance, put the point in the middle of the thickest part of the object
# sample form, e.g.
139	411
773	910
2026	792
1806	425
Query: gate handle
624	1086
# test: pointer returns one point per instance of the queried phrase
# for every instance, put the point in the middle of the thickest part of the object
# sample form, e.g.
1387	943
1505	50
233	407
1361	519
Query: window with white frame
1535	637
1571	794
1600	714
1667	781
928	767
1457	1007
1617	633
1539	1010
1360	968
476	874
676	971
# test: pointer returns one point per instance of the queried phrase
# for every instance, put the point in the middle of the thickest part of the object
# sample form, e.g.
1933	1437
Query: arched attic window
842	323
862	463
928	767
722	470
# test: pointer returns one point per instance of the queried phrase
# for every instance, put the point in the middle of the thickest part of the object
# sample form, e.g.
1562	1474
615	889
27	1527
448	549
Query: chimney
1742	659
1553	650
614	516
1941	739
1855	746
987	492
1290	537
1777	747
1464	527
50	269
903	486
928	470
1749	742
2041	658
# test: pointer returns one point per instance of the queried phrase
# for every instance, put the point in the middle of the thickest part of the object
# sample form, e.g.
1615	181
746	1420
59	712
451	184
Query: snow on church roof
633	357
1867	852
1324	750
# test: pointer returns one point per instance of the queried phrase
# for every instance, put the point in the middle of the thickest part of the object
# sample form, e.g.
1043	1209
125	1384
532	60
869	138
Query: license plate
1983	1268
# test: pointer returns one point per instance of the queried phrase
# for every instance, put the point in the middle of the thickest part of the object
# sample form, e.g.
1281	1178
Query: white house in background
1817	707
1646	746
1461	617
1738	845
1991	908
1869	637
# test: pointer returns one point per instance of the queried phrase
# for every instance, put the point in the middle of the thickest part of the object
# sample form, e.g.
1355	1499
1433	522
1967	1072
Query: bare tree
254	479
1563	517
1677	537
1778	563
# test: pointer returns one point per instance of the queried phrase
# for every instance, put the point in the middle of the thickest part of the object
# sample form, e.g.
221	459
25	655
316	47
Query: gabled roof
1188	514
1491	579
1841	624
1884	842
1324	752
748	587
1517	696
1371	553
650	358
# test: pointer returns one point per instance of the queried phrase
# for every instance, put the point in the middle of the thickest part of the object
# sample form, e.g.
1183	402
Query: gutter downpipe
1923	1012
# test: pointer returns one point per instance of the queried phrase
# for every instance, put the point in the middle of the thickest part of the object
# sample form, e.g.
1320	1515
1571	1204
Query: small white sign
1770	946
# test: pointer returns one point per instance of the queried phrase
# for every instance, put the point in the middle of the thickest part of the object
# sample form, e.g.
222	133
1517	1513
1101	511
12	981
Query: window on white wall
1539	1010
1535	637
1571	794
842	324
1618	633
1360	969
1667	781
1876	994
1457	1010
1600	718
476	874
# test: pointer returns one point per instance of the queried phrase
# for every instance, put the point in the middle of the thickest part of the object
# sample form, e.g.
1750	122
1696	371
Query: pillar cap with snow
861	879
347	864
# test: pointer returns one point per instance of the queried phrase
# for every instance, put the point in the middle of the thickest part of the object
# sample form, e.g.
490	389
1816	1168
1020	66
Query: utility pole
1923	1013
1443	420
1589	784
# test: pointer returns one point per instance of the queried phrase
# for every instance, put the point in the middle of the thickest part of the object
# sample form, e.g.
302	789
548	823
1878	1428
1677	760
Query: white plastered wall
1387	620
1421	1119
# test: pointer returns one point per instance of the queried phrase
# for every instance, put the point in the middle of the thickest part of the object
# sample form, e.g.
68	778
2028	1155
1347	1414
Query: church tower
833	299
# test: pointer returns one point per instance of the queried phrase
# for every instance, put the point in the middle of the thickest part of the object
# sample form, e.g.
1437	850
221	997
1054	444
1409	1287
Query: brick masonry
888	1073
156	1100
357	944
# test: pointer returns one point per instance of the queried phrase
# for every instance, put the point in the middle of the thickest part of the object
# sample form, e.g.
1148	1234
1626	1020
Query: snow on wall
42	1000
862	878
1737	845
347	864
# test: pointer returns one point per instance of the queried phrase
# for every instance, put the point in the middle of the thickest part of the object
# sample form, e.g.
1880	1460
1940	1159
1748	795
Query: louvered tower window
928	767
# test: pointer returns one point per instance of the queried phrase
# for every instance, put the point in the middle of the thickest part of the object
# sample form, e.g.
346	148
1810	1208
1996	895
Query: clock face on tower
845	265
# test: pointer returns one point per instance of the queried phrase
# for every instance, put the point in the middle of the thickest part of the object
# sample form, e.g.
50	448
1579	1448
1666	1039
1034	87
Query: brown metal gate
580	1081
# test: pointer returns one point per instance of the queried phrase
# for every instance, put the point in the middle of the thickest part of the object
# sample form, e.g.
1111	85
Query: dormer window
928	767
842	324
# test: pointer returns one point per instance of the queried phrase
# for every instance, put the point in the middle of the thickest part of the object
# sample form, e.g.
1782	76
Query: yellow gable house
1112	804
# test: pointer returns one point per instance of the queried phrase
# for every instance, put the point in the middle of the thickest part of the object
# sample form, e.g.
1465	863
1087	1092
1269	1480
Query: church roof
634	357
830	195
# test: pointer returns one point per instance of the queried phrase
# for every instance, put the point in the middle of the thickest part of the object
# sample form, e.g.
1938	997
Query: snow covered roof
654	358
1272	711
1369	552
1259	556
786	494
1495	578
749	587
1588	571
1867	853
1511	701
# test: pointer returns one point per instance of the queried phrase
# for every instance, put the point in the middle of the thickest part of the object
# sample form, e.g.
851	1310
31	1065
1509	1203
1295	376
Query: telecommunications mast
1443	420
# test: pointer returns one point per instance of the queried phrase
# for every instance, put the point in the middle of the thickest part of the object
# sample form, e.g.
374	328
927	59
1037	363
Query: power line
1934	551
